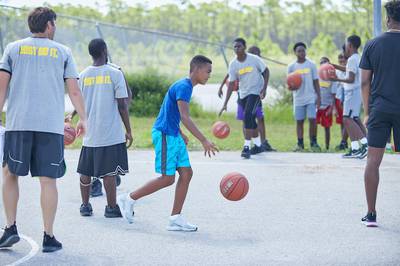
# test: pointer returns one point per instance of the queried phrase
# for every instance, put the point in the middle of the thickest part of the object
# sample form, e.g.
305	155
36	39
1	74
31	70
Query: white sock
257	141
364	140
355	145
388	146
247	143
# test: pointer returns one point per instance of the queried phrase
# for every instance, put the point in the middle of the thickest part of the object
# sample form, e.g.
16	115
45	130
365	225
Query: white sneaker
126	204
178	223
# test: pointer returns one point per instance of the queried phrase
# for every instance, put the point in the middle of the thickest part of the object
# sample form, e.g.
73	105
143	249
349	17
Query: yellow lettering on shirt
245	70
43	51
38	51
98	80
303	71
324	84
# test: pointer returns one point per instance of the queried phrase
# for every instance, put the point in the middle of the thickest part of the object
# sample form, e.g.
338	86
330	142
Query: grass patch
280	130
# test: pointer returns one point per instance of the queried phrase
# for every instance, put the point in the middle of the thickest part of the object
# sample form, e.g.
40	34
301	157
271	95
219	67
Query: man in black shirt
380	76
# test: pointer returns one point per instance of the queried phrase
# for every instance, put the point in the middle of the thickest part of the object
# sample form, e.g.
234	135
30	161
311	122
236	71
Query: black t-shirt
381	55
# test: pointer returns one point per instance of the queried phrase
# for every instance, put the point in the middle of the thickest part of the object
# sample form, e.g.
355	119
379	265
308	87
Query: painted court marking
31	254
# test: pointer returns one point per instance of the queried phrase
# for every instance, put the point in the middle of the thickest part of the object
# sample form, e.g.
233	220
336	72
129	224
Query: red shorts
324	119
339	109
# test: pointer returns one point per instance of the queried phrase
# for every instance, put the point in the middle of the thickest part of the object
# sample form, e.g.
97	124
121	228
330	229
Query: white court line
268	164
31	254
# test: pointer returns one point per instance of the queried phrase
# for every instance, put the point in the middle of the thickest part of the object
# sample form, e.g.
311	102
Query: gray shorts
352	103
309	111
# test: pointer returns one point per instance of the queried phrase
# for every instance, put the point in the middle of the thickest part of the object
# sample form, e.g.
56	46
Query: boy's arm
366	78
208	146
228	95
77	101
339	67
220	92
350	79
4	81
265	75
124	113
317	91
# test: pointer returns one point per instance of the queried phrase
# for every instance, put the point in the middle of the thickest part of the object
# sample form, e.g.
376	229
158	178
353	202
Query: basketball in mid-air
221	129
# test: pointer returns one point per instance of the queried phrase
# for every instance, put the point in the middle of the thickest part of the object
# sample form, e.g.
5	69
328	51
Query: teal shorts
171	153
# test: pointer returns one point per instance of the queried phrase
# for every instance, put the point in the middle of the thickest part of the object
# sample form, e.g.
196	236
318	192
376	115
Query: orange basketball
69	134
221	129
326	71
294	81
234	186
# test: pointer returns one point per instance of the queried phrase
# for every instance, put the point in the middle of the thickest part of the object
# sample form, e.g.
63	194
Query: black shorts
41	153
379	127
103	161
249	105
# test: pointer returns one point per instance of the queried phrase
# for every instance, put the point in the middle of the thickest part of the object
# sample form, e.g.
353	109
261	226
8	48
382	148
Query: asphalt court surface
301	209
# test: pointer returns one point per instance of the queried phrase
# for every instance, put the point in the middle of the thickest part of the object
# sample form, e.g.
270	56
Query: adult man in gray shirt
33	72
253	76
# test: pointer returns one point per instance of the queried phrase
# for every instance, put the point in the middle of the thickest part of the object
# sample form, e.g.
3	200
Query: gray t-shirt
353	66
101	87
38	68
327	94
306	93
249	73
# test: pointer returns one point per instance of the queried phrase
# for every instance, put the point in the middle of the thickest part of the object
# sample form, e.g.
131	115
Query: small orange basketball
294	81
69	134
326	71
221	129
234	186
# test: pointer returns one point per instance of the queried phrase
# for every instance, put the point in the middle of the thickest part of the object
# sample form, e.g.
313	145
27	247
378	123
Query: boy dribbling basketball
170	146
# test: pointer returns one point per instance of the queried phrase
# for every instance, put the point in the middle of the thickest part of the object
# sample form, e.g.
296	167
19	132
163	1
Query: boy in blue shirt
170	146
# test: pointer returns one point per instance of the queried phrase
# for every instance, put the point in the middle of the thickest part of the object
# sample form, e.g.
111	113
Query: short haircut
254	50
96	47
241	40
198	61
325	59
38	18
355	41
393	10
298	44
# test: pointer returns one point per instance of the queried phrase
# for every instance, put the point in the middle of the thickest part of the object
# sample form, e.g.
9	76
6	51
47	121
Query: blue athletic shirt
169	117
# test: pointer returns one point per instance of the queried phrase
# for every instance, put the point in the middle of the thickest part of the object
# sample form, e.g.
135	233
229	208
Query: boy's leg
182	186
10	196
261	128
327	137
153	186
85	185
110	187
371	175
361	125
48	202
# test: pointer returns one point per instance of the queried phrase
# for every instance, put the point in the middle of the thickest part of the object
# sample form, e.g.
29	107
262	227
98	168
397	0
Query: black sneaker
369	220
246	152
315	147
110	212
10	237
256	149
265	146
352	154
298	148
86	210
363	151
50	244
96	189
342	146
118	180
